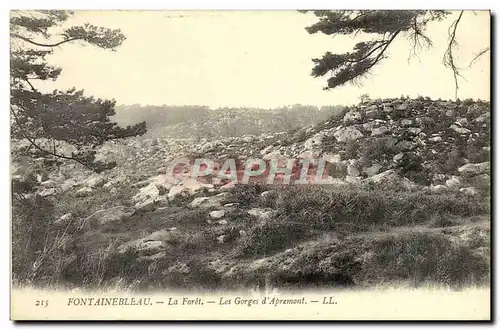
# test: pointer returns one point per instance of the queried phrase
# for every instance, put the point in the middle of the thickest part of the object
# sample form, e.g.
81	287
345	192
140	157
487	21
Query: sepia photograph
250	165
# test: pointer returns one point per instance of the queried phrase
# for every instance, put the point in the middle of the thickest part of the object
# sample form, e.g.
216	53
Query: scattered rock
405	145
263	214
228	186
380	131
406	122
415	131
217	214
460	130
352	116
113	214
83	192
478	168
64	219
352	171
435	139
94	181
332	158
353	179
177	191
208	202
398	157
470	191
438	188
221	239
453	182
231	204
315	141
48	192
483	118
347	134
372	170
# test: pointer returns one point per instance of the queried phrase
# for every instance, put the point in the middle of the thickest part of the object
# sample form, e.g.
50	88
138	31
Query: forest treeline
204	122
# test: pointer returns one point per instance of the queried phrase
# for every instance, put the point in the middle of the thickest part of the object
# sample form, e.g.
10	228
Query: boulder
388	108
415	130
347	134
435	139
469	191
380	131
83	192
369	126
148	192
372	170
405	145
314	141
266	150
460	130
151	204
372	112
228	186
221	239
193	186
272	155
352	171
391	177
177	191
94	181
450	113
260	213
207	202
485	117
113	214
352	179
398	157
352	116
217	214
474	169
438	188
154	243
332	158
424	120
64	219
406	122
402	107
48	192
453	183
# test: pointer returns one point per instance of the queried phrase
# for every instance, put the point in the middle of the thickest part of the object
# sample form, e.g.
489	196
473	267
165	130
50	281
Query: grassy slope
319	236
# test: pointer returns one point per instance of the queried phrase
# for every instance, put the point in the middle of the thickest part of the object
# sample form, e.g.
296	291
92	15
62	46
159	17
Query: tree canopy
385	26
68	116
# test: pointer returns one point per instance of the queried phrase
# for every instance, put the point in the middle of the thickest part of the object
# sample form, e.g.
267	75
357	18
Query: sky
257	59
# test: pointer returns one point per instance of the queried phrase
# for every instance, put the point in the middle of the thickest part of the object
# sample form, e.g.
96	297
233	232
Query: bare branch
448	57
481	53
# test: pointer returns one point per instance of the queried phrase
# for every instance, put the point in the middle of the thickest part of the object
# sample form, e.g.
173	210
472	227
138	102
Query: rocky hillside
407	201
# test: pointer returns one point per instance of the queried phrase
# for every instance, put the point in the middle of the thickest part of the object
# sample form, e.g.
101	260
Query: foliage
68	116
385	26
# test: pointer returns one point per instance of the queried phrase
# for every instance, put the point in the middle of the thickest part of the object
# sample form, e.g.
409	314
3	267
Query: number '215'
42	303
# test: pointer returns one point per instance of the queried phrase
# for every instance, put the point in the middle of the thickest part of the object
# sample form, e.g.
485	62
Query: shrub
423	258
31	234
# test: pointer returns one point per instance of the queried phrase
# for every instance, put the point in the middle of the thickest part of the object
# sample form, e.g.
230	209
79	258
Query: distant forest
203	122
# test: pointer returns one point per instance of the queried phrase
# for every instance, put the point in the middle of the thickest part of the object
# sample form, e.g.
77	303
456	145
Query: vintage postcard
250	165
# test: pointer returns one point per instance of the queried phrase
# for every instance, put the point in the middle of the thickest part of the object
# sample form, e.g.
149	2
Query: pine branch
17	36
34	144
